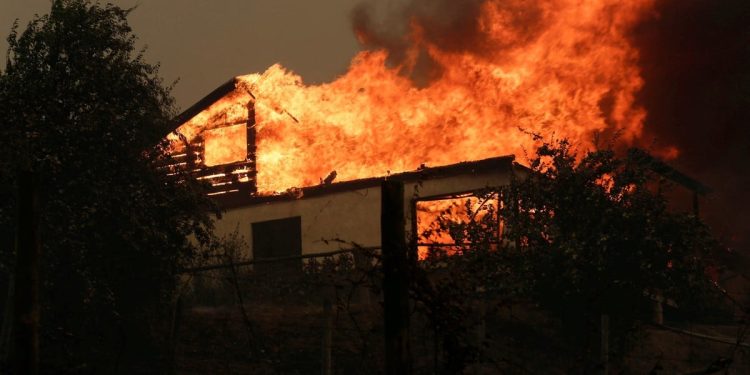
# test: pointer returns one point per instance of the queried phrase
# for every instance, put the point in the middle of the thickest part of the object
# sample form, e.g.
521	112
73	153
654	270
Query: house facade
215	141
325	218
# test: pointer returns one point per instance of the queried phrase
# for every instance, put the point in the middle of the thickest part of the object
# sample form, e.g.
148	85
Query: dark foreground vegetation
592	273
82	112
589	254
331	312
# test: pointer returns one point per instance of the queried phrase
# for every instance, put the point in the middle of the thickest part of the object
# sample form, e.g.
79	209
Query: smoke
406	29
695	60
694	57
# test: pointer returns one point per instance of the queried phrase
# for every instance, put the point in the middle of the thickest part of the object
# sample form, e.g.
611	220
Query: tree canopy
83	110
584	235
596	233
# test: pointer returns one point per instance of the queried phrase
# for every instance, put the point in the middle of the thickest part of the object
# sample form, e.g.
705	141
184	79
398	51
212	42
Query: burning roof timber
195	145
216	139
443	91
212	97
666	171
234	181
500	164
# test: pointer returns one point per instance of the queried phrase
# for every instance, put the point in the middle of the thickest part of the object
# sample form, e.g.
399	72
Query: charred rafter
226	179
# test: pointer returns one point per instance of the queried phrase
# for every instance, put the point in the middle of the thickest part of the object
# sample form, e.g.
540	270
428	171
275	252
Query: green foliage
584	236
595	236
83	110
590	235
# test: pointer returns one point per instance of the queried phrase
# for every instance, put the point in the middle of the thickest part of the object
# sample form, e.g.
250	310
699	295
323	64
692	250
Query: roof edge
466	167
669	172
212	97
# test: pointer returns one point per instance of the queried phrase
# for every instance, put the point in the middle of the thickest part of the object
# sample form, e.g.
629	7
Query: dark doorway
278	239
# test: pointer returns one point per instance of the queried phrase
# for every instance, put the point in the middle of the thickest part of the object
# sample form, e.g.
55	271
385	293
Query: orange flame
435	217
227	144
576	77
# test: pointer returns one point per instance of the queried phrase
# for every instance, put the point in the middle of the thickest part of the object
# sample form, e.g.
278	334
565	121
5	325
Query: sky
204	43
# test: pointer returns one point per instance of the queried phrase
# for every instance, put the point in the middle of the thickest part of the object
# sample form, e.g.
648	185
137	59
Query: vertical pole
413	253
395	279
26	296
658	308
696	204
605	344
251	133
435	349
174	334
8	321
363	265
481	328
327	337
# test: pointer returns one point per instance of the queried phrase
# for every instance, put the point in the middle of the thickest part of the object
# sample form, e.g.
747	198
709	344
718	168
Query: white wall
352	216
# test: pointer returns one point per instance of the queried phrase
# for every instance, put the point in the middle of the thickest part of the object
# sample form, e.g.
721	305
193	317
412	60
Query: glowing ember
574	77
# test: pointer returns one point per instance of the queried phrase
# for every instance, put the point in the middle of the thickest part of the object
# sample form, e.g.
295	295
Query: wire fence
323	313
293	315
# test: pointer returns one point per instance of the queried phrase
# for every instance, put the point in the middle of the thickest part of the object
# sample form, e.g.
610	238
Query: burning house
298	168
305	209
216	142
286	157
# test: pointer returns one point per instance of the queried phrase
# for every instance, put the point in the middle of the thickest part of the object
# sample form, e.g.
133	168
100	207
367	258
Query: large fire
575	76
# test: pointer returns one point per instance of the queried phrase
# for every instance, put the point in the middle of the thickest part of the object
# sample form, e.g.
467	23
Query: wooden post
658	308
8	320
174	334
327	337
363	265
26	296
251	148
435	349
481	327
696	204
395	279
605	344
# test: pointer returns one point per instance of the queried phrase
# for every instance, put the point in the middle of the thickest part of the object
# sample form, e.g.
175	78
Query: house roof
234	200
218	93
658	166
500	163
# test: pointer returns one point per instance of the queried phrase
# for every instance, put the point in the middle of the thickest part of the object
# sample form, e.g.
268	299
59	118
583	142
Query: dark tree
593	235
583	236
81	108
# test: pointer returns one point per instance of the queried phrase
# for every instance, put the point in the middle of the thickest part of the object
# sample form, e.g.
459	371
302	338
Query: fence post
6	333
26	296
327	337
658	308
605	344
174	332
363	266
481	327
395	279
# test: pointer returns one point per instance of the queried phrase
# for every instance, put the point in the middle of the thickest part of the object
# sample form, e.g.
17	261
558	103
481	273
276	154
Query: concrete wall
352	216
